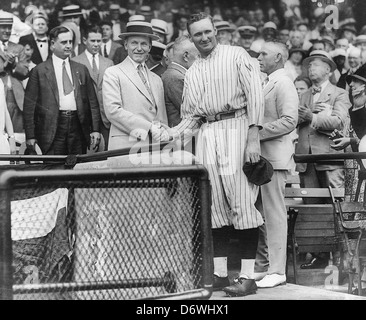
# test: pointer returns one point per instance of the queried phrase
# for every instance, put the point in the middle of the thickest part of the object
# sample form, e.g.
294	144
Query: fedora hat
72	10
6	18
360	74
322	55
224	25
302	51
139	28
159	26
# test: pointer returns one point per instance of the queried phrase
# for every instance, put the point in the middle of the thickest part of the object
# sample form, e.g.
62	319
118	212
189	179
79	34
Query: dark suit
112	51
41	104
36	56
173	80
120	55
104	63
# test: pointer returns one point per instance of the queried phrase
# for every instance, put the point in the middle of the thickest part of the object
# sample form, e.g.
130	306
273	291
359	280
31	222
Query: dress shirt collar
323	85
90	56
212	54
179	65
135	64
58	61
38	38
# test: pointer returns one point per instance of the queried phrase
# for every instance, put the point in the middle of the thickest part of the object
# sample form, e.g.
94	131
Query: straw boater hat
224	25
360	39
322	55
6	18
247	30
136	17
139	28
159	26
157	48
71	11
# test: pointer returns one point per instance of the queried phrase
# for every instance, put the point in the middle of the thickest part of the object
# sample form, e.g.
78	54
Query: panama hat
71	11
139	28
6	18
159	26
224	25
322	55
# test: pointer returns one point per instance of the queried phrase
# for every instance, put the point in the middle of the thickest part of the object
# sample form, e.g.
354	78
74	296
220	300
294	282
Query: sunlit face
62	45
296	57
267	58
138	48
318	70
354	60
246	40
342	44
301	86
224	37
28	51
303	29
356	85
5	32
203	35
297	39
93	42
40	26
284	36
319	46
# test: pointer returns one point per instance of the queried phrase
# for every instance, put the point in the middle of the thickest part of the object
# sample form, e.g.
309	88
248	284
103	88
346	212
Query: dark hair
106	22
56	31
92	28
198	17
305	79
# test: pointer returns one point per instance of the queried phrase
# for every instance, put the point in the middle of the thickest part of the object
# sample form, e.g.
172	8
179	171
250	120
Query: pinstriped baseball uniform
225	81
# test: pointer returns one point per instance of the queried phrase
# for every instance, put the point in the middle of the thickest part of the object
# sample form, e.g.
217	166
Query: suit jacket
41	104
128	104
173	80
120	55
317	139
104	63
112	52
17	72
280	119
36	56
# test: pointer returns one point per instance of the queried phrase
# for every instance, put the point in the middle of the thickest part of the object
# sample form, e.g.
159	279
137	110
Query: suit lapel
102	67
51	76
113	49
86	62
268	88
326	93
75	78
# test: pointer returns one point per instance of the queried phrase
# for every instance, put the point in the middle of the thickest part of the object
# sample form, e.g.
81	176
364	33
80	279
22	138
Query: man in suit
184	54
323	108
155	59
38	39
108	47
133	96
61	111
13	69
92	41
280	119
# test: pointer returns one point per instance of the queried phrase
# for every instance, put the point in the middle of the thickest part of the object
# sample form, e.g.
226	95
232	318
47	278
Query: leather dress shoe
272	280
220	282
315	263
241	287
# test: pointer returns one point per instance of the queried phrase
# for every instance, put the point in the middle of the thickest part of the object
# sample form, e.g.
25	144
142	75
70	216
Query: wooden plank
318	225
316	240
314	208
317	248
314	218
293	179
312	192
315	233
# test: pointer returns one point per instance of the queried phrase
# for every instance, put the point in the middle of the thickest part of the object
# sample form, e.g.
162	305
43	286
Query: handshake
161	132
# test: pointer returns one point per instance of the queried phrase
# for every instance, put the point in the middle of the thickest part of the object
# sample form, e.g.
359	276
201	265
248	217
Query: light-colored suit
104	63
317	139
129	106
280	119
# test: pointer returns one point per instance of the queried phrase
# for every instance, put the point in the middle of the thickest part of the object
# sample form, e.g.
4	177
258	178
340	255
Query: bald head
272	56
184	51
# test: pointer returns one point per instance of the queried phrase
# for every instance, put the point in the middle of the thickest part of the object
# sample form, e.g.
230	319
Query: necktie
265	81
105	51
316	90
67	84
142	76
95	69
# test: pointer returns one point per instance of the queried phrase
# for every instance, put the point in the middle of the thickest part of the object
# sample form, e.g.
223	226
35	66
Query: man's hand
159	133
340	143
305	114
94	141
253	149
10	58
359	97
30	143
322	107
12	145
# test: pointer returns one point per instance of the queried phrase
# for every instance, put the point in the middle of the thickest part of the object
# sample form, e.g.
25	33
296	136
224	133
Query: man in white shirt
96	64
61	111
109	46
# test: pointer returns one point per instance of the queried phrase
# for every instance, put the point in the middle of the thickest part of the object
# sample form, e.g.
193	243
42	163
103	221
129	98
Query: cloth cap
258	173
139	28
320	54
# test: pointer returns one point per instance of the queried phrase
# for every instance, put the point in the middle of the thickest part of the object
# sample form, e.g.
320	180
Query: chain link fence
135	233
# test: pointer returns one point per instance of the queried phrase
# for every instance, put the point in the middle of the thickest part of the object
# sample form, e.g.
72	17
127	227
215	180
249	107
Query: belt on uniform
224	115
67	112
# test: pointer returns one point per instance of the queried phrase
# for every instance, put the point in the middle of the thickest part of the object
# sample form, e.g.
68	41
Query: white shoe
259	275
272	280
